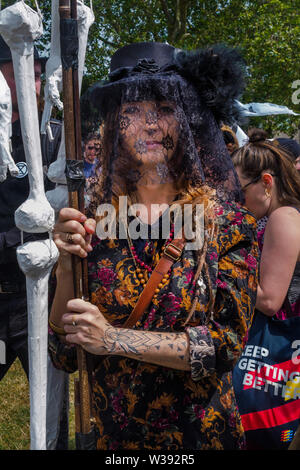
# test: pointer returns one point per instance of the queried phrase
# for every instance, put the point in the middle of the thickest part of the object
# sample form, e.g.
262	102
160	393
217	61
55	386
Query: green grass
15	411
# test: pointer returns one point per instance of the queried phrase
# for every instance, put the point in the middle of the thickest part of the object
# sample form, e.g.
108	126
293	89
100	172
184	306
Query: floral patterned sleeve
216	346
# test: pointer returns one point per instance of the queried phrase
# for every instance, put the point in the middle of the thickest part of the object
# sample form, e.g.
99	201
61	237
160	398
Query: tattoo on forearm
142	344
129	341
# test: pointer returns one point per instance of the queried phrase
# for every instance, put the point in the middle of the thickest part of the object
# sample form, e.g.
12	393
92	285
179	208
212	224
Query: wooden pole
72	123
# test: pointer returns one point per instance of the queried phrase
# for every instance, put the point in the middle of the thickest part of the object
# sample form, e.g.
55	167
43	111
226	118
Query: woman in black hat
164	382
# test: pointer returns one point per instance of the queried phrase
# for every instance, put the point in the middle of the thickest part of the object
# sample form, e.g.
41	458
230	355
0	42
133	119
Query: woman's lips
152	144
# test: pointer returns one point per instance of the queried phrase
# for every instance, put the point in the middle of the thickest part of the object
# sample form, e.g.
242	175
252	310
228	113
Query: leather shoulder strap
171	253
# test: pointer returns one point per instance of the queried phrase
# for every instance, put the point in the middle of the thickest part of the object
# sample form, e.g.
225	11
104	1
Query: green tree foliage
267	33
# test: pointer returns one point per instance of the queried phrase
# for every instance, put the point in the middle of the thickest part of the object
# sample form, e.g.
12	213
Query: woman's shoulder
285	214
235	225
284	223
234	215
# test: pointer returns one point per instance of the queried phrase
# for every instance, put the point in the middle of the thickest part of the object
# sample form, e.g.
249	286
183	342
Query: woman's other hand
73	233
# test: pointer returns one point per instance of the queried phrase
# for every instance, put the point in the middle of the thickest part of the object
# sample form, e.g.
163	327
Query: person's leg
17	330
10	356
57	408
23	356
63	437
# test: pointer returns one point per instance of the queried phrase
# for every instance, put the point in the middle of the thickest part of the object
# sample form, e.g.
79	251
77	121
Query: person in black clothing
13	192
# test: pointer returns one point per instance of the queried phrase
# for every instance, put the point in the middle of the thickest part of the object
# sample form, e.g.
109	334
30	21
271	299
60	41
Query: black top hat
128	64
130	55
5	54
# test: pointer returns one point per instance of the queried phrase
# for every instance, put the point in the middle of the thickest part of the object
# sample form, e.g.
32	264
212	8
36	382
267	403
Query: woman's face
92	150
149	131
256	199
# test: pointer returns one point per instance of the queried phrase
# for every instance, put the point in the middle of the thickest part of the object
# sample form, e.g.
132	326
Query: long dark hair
261	154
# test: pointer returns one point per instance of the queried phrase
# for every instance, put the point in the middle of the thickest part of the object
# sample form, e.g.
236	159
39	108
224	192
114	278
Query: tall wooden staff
75	181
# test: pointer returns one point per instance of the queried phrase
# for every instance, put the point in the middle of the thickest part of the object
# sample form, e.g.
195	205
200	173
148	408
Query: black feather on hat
218	73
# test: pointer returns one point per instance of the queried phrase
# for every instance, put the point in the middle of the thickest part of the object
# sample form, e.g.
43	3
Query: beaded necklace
143	270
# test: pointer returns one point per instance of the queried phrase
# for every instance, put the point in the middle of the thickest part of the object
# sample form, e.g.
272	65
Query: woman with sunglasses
271	187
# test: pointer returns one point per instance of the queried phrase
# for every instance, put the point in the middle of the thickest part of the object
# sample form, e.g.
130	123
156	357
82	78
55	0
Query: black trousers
14	335
13	331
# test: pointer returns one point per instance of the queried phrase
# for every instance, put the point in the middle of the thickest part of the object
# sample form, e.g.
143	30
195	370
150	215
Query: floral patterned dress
139	405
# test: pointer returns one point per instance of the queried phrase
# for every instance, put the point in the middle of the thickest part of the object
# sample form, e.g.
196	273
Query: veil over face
164	123
148	132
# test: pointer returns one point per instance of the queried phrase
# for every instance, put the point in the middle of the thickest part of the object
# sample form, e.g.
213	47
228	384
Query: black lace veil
197	90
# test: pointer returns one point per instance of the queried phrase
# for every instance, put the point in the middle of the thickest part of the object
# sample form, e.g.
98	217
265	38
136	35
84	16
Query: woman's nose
151	123
151	118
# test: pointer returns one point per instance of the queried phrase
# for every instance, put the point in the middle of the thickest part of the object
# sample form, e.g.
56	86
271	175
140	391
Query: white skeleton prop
258	109
6	160
36	260
241	136
20	26
263	109
58	197
53	86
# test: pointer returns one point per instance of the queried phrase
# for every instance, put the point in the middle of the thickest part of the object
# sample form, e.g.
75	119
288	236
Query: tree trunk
176	19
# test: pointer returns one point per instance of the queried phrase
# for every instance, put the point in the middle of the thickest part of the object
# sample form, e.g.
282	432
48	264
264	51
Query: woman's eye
131	110
166	110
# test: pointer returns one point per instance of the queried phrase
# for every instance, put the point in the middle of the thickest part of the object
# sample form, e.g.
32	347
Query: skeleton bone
56	172
58	197
36	260
53	85
20	26
6	160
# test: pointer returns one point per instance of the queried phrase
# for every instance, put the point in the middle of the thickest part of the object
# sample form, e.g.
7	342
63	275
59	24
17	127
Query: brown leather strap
170	254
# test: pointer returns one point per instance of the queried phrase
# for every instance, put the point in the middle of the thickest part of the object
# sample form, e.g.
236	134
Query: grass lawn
15	413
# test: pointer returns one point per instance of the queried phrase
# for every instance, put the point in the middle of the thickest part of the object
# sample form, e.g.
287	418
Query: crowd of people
163	378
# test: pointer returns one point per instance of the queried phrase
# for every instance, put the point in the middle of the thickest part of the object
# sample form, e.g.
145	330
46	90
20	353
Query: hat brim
142	87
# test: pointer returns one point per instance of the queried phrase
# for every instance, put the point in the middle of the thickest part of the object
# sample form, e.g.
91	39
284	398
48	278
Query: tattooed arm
98	337
164	349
